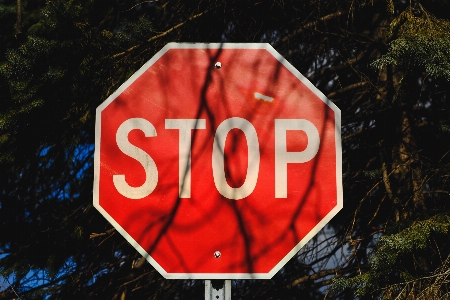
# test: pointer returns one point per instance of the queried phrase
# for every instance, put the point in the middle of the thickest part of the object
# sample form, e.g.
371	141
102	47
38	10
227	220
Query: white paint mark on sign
260	96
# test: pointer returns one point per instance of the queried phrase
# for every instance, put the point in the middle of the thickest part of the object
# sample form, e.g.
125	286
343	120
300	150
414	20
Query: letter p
283	157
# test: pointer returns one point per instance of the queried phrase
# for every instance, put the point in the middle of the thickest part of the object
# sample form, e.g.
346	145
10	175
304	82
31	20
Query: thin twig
152	1
314	276
12	288
348	88
311	24
155	37
108	232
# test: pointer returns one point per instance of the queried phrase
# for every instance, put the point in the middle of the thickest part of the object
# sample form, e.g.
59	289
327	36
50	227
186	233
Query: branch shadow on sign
243	149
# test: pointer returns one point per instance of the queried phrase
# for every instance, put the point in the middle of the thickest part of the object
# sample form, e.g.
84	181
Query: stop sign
218	161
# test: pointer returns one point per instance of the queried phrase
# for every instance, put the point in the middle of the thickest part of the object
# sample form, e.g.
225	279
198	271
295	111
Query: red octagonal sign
218	161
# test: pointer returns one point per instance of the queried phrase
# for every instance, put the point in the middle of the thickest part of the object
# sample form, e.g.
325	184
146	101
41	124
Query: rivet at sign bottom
217	254
218	65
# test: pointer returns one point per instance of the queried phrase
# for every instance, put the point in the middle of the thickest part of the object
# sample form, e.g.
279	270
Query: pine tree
384	63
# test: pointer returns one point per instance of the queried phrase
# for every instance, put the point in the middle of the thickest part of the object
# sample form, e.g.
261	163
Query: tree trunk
19	18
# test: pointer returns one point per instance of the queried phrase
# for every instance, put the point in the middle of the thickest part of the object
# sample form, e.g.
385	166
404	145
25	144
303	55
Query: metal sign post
218	289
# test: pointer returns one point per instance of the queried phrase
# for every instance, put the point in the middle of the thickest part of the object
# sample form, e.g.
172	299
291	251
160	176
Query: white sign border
296	73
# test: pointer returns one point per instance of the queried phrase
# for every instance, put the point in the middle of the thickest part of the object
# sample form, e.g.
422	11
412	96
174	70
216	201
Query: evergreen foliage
385	64
418	40
390	250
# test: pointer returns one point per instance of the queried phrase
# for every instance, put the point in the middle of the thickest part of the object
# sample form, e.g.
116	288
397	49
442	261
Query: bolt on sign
218	161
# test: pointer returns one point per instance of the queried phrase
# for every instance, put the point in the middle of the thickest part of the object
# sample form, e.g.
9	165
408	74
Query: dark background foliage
385	64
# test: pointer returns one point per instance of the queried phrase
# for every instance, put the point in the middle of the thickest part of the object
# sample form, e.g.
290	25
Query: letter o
218	162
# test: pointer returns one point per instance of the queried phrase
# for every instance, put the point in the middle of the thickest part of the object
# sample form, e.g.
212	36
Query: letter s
151	171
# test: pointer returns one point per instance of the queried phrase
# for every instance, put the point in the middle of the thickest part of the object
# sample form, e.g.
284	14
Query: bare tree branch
155	37
348	88
311	24
338	67
108	232
314	276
